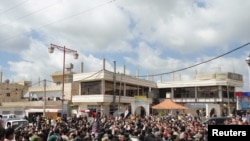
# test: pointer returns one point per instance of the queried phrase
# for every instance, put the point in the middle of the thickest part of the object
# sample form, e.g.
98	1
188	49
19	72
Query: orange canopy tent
168	104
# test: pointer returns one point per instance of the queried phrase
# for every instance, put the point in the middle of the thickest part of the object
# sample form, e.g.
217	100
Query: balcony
203	100
30	103
101	98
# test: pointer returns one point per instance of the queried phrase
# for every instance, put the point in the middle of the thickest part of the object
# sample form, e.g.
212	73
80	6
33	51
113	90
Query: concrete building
42	97
10	93
99	91
216	87
109	92
50	93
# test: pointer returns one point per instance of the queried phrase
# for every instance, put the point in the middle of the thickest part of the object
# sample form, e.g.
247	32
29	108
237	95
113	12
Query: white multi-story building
110	92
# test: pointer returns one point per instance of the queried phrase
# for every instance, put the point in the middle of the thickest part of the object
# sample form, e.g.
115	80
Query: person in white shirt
53	122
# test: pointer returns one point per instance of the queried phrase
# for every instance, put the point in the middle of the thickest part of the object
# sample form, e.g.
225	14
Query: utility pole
64	50
228	101
114	79
44	99
120	90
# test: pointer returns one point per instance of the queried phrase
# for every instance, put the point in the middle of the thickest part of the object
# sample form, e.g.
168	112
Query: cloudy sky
149	37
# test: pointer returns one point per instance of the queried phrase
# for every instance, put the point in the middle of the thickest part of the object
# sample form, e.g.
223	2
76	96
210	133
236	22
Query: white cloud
185	27
143	29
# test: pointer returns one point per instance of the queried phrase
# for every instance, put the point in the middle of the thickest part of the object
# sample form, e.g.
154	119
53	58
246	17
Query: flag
238	93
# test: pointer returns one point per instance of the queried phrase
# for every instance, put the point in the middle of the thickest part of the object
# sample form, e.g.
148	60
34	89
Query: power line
182	69
39	82
74	15
77	14
9	9
31	13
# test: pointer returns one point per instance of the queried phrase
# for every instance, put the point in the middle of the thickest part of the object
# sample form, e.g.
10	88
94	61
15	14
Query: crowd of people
180	127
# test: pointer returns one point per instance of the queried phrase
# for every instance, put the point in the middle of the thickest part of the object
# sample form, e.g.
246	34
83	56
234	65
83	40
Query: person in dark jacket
150	136
2	132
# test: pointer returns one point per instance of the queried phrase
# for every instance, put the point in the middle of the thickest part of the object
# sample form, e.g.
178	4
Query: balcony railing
209	100
101	98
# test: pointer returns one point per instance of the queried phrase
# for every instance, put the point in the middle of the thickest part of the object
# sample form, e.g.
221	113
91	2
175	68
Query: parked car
8	116
16	123
215	120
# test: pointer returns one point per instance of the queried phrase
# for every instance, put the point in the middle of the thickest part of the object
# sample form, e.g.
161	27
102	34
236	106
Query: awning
168	104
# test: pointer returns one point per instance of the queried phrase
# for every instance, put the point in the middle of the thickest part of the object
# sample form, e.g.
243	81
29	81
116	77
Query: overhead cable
182	69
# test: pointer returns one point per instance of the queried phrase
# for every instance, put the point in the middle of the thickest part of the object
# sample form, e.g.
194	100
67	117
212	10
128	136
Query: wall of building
11	92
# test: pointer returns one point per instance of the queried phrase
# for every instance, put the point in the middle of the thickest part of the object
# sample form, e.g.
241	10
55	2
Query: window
89	88
8	94
5	112
109	88
18	112
17	123
163	91
230	92
208	92
131	90
186	92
